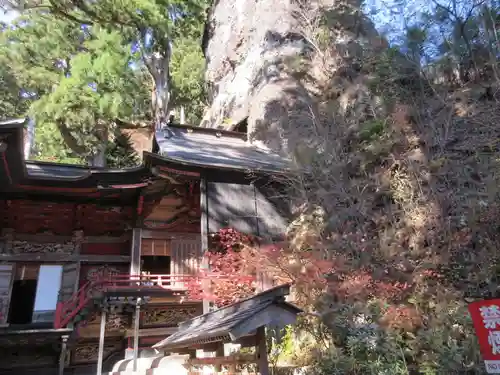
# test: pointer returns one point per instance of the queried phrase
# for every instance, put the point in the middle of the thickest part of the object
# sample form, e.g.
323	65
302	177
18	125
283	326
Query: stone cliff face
264	66
248	41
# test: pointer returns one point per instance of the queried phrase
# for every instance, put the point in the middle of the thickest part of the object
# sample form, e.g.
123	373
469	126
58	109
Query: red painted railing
66	311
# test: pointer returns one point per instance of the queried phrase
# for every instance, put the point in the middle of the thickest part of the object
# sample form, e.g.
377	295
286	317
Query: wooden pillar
204	230
219	352
135	253
102	333
261	349
62	356
136	333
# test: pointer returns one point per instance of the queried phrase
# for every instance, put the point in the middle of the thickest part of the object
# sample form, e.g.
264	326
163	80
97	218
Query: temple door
69	281
186	259
6	279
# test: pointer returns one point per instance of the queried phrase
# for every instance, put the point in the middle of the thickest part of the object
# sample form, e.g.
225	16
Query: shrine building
81	246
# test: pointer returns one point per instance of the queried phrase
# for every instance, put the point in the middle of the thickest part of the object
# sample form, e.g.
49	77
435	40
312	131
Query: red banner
486	318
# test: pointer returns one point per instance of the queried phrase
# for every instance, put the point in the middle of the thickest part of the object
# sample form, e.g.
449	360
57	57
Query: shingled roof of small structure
235	321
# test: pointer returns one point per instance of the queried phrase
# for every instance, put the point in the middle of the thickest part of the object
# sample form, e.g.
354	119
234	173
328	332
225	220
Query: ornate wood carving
114	322
168	316
101	271
179	209
22	247
39	244
88	352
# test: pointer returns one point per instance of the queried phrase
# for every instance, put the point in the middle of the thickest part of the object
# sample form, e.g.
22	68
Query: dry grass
403	191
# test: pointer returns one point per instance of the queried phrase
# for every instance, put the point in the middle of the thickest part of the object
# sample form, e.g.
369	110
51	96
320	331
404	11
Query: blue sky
8	16
382	12
47	289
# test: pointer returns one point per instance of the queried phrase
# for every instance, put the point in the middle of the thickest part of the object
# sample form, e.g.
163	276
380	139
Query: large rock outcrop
267	66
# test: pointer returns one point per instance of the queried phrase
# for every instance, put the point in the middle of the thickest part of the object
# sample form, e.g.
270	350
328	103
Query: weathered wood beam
164	235
50	238
64	258
145	332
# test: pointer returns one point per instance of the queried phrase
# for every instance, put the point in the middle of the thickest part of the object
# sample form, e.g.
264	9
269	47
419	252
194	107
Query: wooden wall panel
28	271
157	247
118	248
33	217
6	277
273	211
186	257
26	216
251	209
231	205
69	281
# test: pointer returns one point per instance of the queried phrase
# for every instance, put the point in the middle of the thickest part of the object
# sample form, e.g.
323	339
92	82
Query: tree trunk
158	64
69	139
29	139
98	158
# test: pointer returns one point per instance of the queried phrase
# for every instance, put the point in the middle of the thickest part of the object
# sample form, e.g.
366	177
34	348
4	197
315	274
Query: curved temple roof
188	150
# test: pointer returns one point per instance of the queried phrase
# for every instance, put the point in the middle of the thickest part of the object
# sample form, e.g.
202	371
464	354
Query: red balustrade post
58	315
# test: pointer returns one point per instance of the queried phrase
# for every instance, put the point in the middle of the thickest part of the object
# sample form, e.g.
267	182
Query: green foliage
445	345
120	153
85	65
12	104
49	146
371	130
188	68
80	77
280	345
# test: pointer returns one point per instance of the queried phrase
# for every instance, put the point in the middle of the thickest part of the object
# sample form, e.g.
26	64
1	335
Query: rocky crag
405	185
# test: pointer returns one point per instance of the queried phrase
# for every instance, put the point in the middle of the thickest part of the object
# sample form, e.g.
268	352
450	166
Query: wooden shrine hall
81	246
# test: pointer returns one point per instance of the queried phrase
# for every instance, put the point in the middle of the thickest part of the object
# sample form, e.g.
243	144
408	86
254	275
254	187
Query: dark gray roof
209	148
15	121
235	321
56	171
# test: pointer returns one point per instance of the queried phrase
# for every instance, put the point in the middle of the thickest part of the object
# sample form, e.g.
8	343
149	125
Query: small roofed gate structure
241	323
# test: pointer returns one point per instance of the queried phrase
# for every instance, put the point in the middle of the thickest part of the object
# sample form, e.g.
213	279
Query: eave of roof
227	322
17	174
217	149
